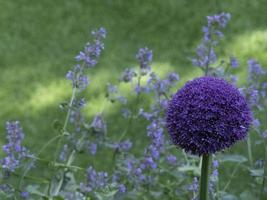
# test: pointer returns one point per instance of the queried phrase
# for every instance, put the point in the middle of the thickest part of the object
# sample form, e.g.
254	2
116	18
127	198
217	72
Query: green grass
39	39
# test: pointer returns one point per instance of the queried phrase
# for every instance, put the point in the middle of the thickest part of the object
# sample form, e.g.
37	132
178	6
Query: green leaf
229	197
189	168
57	125
257	172
246	195
33	189
233	158
5	196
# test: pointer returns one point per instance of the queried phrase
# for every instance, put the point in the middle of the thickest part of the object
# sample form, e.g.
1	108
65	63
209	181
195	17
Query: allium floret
207	115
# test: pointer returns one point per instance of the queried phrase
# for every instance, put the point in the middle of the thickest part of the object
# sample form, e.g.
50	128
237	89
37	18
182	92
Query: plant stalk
204	179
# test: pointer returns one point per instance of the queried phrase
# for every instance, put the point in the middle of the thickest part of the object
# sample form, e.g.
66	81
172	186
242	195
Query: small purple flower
128	75
92	50
173	77
125	145
171	159
219	19
144	57
64	152
256	123
95	180
255	70
122	188
93	148
234	62
264	134
14	150
98	123
207	115
194	186
25	194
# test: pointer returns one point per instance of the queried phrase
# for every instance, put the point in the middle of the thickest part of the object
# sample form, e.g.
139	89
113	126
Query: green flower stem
231	177
204	179
250	157
262	196
65	122
31	162
131	117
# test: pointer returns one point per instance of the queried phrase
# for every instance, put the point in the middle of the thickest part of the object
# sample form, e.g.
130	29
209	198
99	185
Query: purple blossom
64	153
14	150
255	70
173	77
93	148
207	115
92	50
144	56
128	75
95	180
205	52
256	123
219	19
194	186
171	159
24	194
122	188
78	78
98	123
234	62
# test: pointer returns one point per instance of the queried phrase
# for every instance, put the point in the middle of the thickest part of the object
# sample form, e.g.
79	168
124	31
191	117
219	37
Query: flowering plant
206	116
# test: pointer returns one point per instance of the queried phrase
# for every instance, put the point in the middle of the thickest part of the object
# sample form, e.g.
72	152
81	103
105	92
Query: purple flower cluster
205	53
88	57
92	51
14	150
95	180
207	115
144	57
255	70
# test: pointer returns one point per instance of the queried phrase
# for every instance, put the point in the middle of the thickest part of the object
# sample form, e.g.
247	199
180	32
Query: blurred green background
39	40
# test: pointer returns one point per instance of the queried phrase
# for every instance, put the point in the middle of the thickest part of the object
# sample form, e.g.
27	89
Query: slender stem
131	117
231	178
204	179
250	157
264	173
185	156
31	162
66	121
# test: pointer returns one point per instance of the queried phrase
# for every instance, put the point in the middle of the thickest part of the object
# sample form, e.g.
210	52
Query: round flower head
207	115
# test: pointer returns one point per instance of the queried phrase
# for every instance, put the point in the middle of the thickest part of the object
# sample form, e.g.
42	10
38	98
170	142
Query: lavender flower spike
207	115
14	150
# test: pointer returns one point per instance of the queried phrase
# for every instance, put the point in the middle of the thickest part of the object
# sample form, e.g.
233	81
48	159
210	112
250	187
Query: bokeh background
39	40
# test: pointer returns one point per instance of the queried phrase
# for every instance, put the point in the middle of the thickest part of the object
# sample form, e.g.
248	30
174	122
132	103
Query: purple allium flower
207	115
